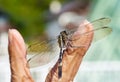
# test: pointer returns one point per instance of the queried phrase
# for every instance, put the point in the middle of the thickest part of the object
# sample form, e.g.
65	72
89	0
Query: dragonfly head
63	33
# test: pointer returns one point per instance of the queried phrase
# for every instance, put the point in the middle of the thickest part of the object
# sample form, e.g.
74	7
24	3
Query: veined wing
103	32
102	22
43	53
100	28
36	46
42	57
99	33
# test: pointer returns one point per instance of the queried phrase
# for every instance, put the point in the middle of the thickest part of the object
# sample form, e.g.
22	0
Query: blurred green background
34	18
27	16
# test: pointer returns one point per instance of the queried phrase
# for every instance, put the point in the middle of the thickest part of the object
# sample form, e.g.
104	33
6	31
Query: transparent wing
36	46
99	27
43	53
99	33
102	22
103	32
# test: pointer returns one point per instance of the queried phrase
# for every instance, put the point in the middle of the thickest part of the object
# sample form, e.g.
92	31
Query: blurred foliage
26	15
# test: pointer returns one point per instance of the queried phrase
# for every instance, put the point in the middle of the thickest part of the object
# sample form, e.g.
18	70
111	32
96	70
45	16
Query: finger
17	55
72	57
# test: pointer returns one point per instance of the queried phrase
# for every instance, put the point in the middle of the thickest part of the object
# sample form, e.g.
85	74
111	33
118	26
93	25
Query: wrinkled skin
72	57
17	55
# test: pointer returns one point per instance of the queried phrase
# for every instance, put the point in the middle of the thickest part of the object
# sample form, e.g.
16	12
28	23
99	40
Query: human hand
72	57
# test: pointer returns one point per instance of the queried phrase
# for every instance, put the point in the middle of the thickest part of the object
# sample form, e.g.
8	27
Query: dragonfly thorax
62	39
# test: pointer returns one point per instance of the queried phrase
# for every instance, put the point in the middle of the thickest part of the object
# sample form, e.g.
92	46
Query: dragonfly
63	39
